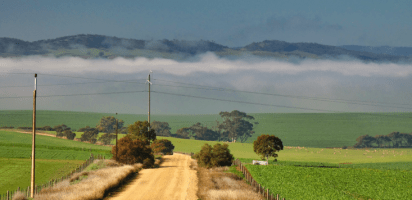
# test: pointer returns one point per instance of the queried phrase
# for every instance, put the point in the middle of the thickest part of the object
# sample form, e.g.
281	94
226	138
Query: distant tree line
392	140
235	126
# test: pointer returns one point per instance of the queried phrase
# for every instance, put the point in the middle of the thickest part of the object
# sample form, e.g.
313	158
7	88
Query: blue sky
231	23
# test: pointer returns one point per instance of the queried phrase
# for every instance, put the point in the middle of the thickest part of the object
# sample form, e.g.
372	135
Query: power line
63	95
289	96
234	101
131	81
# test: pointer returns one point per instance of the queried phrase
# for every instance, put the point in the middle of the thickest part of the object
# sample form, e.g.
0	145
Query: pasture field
15	172
359	158
55	157
373	173
333	183
294	129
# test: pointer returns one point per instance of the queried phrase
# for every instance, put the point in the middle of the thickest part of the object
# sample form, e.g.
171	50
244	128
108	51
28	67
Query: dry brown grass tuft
92	187
216	184
19	196
111	163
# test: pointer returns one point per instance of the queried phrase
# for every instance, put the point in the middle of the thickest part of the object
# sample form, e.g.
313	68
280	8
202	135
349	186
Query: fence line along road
265	192
38	188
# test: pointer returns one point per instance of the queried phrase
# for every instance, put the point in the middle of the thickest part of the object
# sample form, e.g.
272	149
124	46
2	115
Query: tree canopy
140	130
267	146
90	136
108	124
198	132
392	140
236	125
161	128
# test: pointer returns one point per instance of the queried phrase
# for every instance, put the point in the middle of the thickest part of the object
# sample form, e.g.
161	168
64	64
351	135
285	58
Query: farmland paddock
26	191
250	180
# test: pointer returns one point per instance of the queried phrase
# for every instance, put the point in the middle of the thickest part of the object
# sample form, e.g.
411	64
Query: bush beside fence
253	183
26	191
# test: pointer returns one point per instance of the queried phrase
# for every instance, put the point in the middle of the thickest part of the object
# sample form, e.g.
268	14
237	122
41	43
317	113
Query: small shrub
217	156
148	163
133	151
162	146
344	147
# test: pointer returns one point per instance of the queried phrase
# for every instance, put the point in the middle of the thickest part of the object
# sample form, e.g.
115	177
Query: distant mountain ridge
396	51
95	46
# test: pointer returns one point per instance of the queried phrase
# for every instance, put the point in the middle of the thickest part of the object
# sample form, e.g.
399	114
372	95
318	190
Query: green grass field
55	157
373	173
333	183
15	172
294	129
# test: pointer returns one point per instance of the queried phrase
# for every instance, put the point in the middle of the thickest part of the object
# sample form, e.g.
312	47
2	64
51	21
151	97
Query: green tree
69	134
60	130
364	141
184	133
396	139
235	125
90	136
108	124
107	138
267	146
381	140
161	128
140	130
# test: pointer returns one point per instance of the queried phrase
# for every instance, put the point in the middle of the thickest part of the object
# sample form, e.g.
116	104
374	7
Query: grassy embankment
55	157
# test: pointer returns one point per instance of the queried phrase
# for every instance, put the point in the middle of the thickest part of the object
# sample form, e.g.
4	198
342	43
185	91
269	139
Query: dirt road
172	180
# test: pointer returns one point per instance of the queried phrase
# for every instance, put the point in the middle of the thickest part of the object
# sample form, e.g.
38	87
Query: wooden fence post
277	196
7	195
267	193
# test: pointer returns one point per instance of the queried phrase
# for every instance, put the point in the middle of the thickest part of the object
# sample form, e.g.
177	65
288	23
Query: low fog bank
323	80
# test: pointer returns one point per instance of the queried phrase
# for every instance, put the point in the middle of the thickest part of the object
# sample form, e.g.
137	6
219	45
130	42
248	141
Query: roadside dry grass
19	196
216	184
90	184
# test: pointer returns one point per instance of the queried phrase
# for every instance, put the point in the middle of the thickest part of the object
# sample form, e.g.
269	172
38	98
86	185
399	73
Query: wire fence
26	191
262	190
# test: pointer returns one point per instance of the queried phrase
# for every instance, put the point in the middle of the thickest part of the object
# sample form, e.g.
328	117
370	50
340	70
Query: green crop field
293	182
55	157
372	173
15	172
294	129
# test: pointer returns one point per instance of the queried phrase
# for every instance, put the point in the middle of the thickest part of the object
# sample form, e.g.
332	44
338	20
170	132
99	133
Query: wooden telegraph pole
32	183
148	119
117	124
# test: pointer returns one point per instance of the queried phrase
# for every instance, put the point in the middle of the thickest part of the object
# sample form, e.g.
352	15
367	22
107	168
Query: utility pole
149	101
117	124
148	81
32	183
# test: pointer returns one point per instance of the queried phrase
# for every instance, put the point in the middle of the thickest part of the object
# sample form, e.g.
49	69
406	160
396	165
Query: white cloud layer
208	63
332	79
